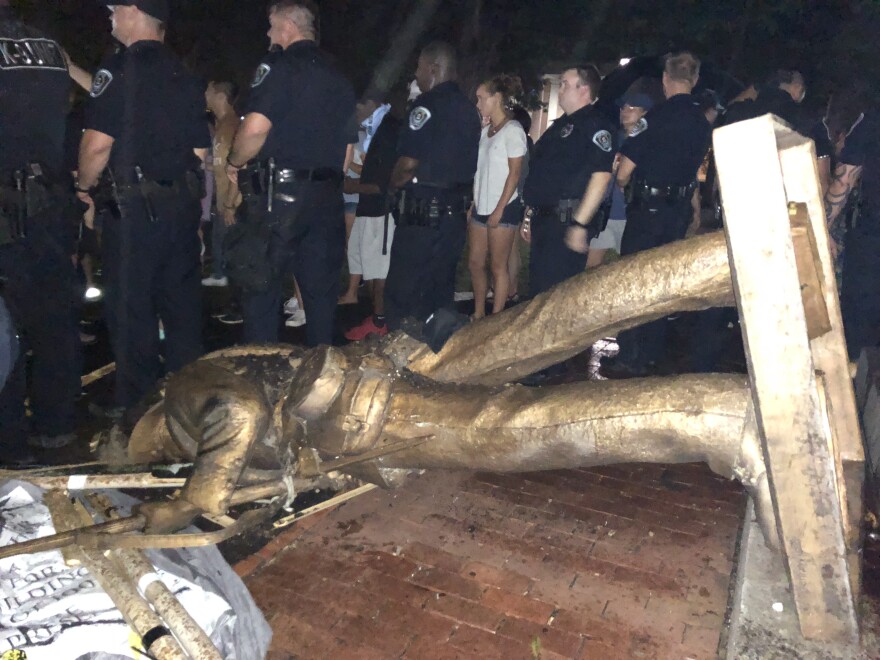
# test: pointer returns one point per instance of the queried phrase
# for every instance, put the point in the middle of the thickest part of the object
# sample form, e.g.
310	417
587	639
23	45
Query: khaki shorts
365	256
611	237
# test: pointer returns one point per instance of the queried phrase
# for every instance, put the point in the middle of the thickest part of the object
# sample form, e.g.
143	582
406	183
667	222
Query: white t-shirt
492	165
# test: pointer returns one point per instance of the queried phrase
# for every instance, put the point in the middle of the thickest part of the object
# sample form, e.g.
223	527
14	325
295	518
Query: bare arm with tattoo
845	179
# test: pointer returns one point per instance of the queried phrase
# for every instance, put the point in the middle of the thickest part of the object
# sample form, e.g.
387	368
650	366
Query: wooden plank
806	256
797	157
800	462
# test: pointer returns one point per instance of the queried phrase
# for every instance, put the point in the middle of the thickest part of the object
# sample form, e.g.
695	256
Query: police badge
419	117
568	130
602	139
262	71
640	127
100	83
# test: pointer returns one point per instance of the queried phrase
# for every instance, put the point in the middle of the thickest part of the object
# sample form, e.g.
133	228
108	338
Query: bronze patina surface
385	409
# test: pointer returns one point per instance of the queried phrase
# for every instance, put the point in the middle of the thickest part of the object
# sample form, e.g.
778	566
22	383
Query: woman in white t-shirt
497	209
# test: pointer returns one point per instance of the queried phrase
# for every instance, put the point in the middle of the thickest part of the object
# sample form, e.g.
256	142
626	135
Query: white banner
51	611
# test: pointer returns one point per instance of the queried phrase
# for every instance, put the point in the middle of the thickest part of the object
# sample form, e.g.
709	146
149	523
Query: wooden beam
800	175
797	449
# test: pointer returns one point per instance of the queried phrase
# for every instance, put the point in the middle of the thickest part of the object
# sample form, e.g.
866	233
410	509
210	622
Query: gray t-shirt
493	166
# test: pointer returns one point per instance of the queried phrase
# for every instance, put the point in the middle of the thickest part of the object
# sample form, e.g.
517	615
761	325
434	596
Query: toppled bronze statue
253	415
383	410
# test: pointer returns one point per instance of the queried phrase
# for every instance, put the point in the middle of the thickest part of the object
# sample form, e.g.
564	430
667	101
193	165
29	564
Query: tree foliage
833	41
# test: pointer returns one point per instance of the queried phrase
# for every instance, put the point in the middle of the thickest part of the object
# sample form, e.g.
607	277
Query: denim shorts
512	216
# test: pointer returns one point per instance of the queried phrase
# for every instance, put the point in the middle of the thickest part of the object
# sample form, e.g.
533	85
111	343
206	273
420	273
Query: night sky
834	42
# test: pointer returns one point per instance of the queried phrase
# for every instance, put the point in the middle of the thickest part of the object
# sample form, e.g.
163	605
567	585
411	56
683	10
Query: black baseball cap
158	9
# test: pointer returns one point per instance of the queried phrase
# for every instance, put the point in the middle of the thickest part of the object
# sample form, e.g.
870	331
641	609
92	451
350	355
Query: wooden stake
135	610
800	457
135	564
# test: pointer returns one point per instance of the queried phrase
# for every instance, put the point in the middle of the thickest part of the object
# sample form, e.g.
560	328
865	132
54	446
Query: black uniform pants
42	292
650	225
550	261
152	273
860	293
421	277
308	241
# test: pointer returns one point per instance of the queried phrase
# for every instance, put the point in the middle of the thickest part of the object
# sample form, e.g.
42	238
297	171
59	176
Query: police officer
435	170
569	174
658	166
296	140
860	291
37	232
145	131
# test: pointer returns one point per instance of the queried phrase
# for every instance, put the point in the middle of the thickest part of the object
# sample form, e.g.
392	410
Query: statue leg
560	323
516	429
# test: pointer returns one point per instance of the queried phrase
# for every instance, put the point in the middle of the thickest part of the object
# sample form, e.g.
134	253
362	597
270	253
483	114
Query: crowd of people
298	175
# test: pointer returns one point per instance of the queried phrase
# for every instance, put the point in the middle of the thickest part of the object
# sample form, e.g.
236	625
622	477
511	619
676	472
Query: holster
253	180
12	215
31	192
430	211
600	219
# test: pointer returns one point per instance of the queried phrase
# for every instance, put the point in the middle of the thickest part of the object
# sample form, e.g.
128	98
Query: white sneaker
215	281
296	319
291	306
93	293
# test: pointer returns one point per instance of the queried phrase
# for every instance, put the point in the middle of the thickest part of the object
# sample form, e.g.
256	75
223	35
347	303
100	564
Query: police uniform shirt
570	151
442	133
669	143
34	90
862	149
153	108
310	104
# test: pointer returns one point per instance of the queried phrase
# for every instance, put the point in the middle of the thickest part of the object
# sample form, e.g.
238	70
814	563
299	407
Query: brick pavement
628	561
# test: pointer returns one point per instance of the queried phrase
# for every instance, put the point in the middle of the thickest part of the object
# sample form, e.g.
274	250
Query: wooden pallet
790	313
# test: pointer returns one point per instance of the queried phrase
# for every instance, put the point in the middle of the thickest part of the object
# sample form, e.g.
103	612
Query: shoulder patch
602	139
567	130
261	75
640	127
419	117
100	83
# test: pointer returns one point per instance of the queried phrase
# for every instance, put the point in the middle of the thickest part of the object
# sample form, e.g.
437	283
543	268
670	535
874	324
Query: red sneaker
365	329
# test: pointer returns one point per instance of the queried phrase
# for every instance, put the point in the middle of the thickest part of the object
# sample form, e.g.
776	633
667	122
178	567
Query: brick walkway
615	562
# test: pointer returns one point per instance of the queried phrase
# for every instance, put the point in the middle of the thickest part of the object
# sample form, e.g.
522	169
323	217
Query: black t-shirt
310	105
669	143
779	102
34	89
378	166
862	149
568	153
153	108
443	134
